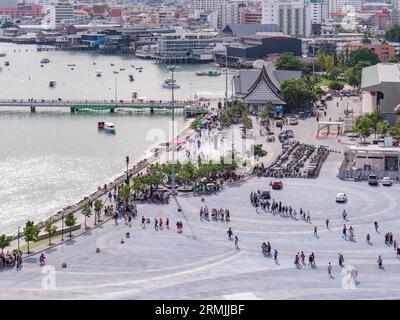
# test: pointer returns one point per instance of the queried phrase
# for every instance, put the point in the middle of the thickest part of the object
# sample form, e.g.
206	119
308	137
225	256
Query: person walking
156	224
167	223
143	222
229	232
315	231
368	238
341	259
302	257
344	214
236	242
327	223
344	232
380	263
376	226
275	255
161	224
330	270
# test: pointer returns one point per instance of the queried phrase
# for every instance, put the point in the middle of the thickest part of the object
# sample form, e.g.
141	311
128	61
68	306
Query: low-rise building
384	51
381	86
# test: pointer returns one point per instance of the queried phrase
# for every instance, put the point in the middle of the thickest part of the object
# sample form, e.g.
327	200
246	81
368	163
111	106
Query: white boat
169	84
98	73
109	127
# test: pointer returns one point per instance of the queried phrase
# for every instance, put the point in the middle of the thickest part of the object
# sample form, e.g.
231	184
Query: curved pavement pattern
202	263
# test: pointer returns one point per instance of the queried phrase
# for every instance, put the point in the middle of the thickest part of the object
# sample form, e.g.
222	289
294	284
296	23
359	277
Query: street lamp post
313	63
62	227
18	238
115	86
172	69
127	165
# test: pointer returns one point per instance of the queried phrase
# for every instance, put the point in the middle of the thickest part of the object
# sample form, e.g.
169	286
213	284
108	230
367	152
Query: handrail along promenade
111	105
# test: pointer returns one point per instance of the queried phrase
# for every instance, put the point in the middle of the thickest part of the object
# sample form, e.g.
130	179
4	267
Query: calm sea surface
51	159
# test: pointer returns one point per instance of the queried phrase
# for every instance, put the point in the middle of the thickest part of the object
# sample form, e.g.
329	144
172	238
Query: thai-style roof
264	90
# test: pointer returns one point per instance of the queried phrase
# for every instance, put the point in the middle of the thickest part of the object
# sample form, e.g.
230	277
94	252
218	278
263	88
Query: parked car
277	185
386	181
372	180
352	135
329	97
341	197
289	133
293	121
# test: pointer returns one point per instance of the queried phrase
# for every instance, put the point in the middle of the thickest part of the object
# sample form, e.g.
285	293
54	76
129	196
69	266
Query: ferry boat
45	60
98	73
131	78
209	73
52	83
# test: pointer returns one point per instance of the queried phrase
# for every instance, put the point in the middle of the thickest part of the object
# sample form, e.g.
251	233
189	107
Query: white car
293	121
341	197
386	181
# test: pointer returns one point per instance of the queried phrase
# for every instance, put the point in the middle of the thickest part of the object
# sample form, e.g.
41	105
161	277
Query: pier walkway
189	107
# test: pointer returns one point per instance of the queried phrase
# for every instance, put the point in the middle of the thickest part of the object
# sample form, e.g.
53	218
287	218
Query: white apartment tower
58	12
293	17
205	5
319	11
343	5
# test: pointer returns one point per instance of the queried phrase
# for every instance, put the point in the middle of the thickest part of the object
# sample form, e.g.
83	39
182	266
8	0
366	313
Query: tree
375	117
366	39
31	233
363	126
98	205
264	114
124	192
86	211
246	121
70	221
353	74
362	54
5	241
393	34
225	119
288	61
298	94
336	85
258	151
50	229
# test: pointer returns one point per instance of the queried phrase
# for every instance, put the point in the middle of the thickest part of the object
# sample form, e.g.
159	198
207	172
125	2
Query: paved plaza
202	263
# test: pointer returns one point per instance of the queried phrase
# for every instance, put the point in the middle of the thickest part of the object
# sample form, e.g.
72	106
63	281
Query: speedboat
52	83
98	73
109	127
169	84
45	60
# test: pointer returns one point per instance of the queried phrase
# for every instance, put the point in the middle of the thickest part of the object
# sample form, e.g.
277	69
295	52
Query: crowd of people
11	259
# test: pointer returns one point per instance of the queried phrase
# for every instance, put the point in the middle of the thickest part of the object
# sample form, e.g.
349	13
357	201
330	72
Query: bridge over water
189	107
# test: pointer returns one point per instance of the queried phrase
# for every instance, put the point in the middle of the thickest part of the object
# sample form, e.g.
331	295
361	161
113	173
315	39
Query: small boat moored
131	78
45	60
2	54
52	83
98	73
109	127
6	63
